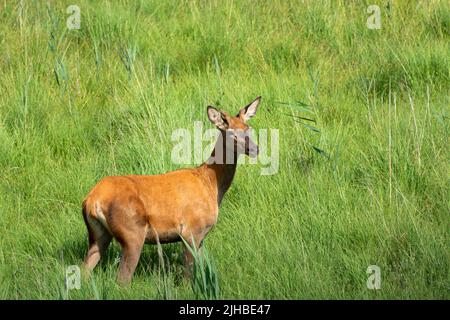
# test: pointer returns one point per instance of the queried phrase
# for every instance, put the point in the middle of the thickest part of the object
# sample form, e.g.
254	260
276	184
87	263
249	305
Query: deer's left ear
250	110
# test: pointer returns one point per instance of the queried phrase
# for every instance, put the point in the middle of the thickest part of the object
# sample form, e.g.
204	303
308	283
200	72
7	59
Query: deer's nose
253	150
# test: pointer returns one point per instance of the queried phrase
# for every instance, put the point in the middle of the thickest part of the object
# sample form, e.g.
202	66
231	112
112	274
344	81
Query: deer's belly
167	236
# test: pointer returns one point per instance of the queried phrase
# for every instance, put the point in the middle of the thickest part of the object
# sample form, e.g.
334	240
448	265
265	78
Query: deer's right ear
217	118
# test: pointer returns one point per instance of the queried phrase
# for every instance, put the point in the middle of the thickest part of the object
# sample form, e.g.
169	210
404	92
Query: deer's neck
219	170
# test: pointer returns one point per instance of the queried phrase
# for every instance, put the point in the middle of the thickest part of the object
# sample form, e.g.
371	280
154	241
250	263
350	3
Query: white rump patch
101	217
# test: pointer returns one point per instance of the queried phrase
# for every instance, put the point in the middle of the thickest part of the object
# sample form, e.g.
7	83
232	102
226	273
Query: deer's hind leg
99	240
131	236
131	251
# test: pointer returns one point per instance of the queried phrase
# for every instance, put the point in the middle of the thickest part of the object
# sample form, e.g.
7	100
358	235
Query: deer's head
235	130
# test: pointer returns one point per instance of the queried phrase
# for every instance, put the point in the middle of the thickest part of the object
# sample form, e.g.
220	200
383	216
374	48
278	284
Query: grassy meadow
365	183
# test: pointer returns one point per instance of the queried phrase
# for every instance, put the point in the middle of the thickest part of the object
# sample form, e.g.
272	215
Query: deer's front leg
188	257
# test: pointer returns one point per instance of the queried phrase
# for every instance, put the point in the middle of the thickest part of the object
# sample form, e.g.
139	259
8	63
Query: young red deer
138	209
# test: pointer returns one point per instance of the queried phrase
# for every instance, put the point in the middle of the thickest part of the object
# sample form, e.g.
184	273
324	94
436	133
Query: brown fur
138	209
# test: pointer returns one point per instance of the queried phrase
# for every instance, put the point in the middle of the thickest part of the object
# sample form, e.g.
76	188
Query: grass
369	186
204	278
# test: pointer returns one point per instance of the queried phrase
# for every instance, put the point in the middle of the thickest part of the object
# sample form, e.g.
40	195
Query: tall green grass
368	186
204	278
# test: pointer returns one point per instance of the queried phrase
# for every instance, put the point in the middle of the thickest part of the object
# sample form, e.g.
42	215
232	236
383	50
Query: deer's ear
250	110
217	118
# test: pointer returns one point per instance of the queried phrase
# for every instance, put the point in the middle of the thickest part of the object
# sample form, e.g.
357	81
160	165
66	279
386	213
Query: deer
169	207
